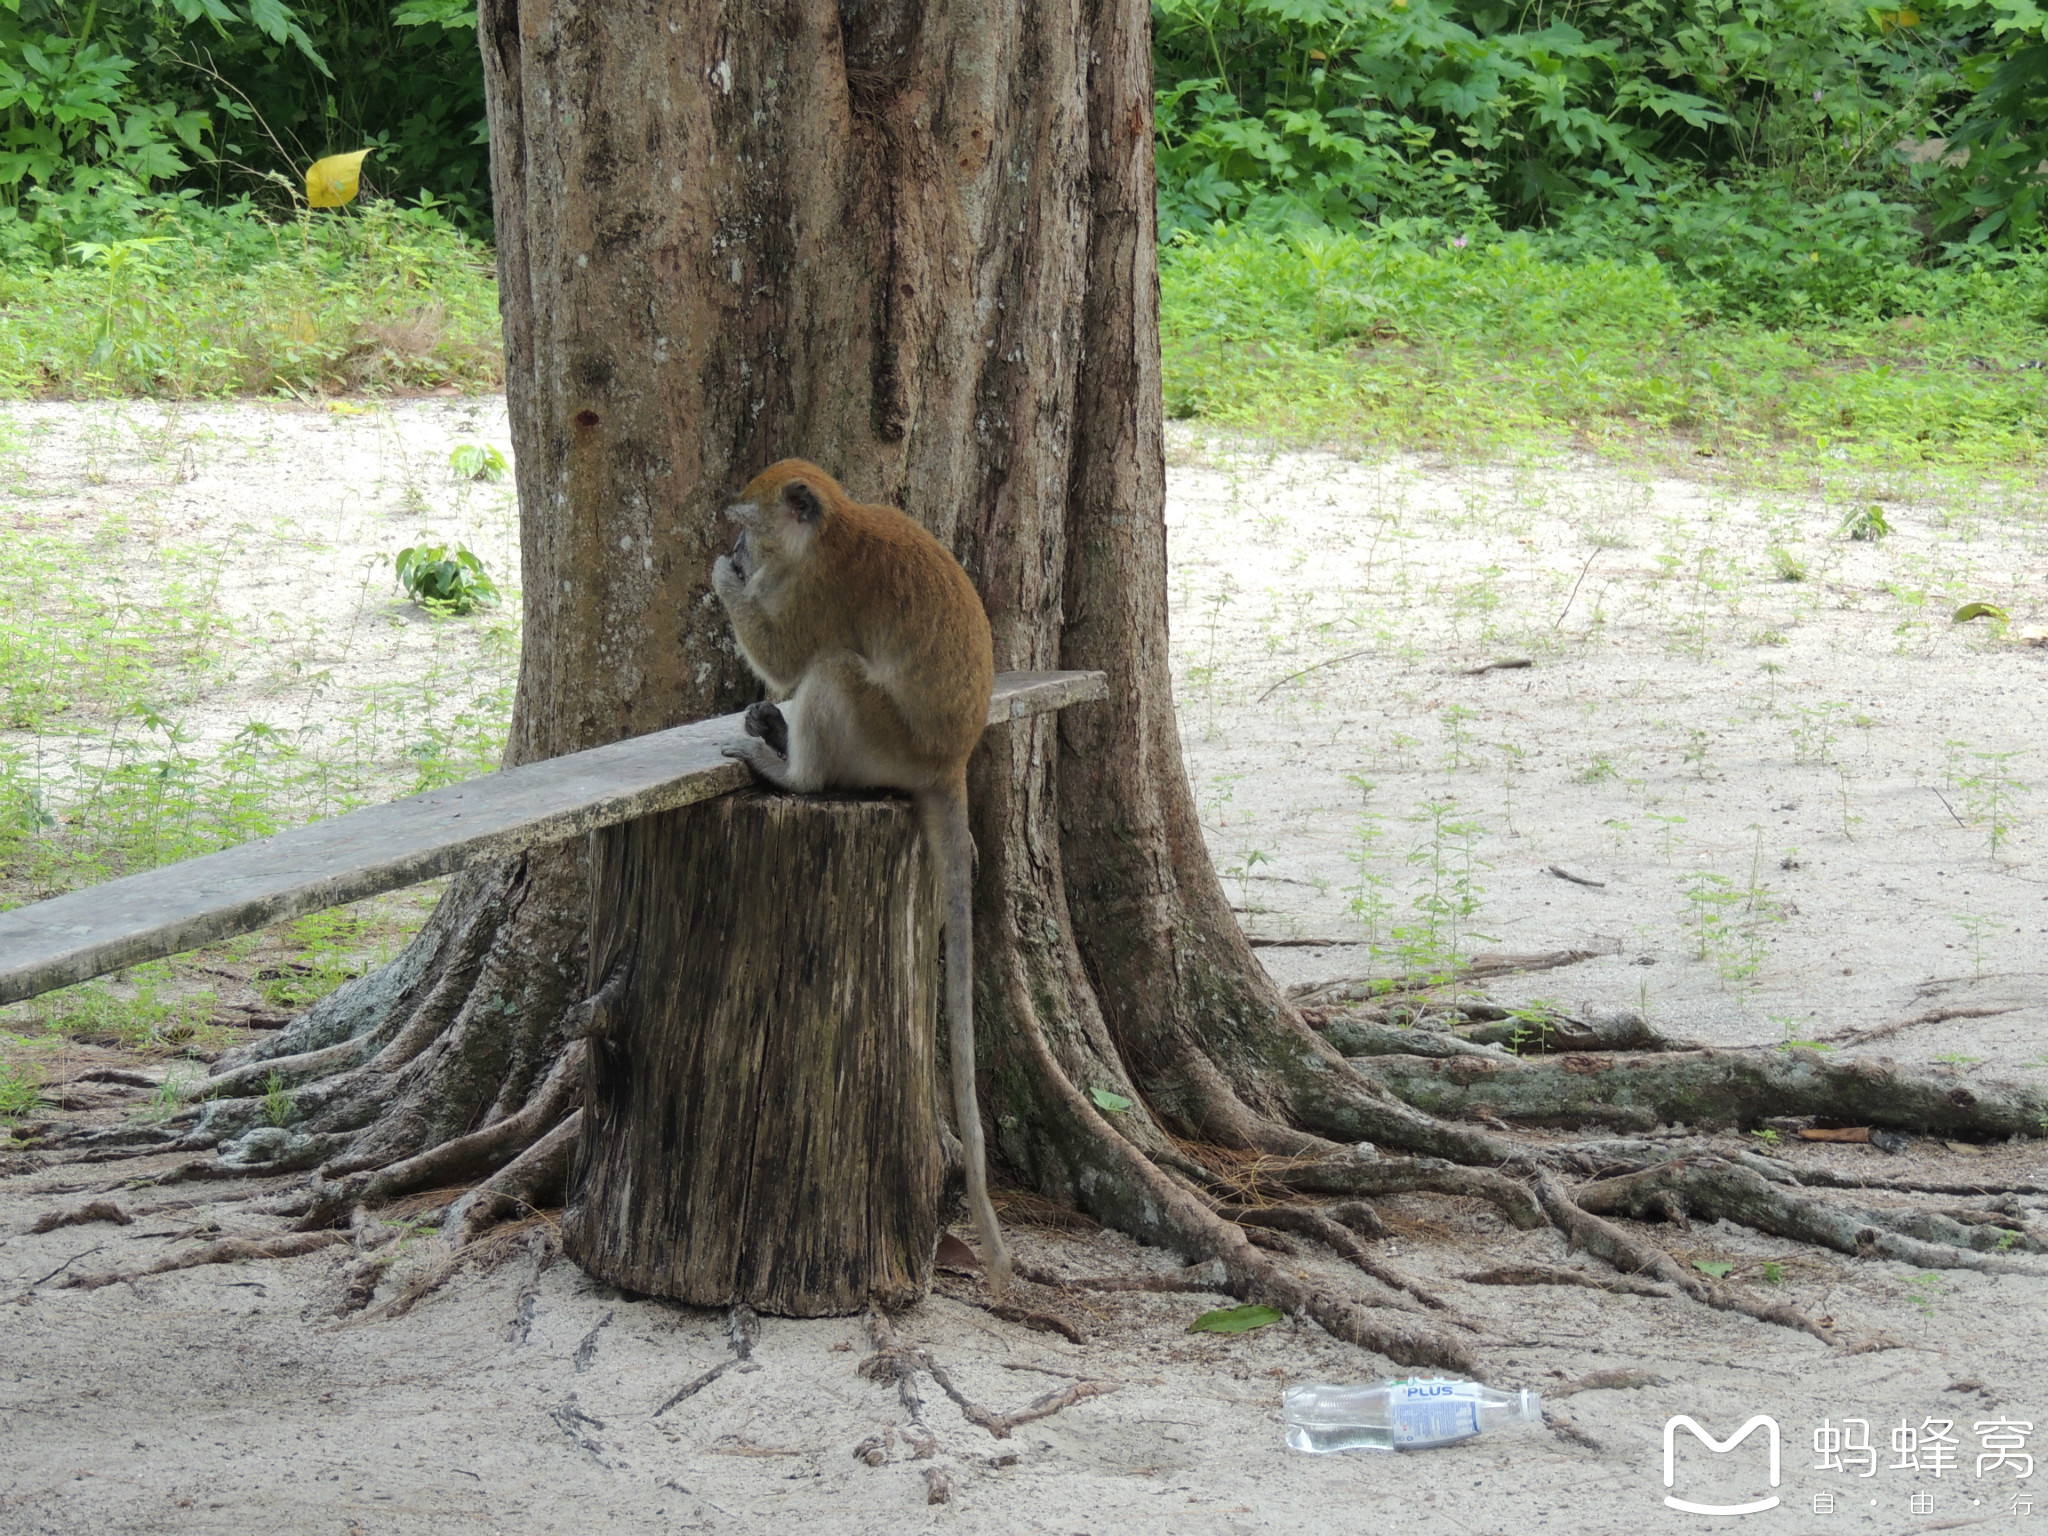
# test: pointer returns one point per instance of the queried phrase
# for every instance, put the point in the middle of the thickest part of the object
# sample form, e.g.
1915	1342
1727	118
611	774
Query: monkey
875	643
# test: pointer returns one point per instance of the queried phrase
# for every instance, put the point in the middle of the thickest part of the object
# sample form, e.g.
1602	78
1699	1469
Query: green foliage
277	1100
20	1088
478	461
170	297
1430	118
140	99
442	580
2000	137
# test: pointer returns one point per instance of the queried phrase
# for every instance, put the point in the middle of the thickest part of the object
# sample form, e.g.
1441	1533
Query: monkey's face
778	518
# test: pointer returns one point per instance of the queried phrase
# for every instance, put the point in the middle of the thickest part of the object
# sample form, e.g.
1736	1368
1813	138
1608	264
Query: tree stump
760	1117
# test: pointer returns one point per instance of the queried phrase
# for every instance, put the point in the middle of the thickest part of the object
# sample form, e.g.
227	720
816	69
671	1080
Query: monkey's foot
765	721
769	765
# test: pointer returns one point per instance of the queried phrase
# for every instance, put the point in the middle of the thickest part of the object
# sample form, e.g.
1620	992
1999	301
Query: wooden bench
761	1120
176	907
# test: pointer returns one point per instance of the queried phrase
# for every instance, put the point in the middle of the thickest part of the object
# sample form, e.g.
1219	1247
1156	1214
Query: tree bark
761	1120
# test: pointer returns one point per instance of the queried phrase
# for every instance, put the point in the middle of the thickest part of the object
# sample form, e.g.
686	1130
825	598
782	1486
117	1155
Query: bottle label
1431	1419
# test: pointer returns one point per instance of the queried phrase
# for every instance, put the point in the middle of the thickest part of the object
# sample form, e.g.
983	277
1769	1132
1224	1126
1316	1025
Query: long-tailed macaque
875	643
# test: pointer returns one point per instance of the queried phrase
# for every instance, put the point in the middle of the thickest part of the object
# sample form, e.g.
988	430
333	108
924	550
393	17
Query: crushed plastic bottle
1408	1415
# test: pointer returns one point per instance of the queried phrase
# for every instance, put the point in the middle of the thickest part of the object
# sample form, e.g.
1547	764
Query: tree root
1357	1175
1174	1216
1041	1322
1310	1223
1932	1016
896	1362
535	1179
1713	1188
465	1157
1608	1242
1205	1278
229	1250
1551	1274
1728	1088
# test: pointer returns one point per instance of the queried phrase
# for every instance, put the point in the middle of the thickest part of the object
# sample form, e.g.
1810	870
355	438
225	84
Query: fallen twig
1573	595
690	1389
1294	677
1607	1381
229	1250
1932	1016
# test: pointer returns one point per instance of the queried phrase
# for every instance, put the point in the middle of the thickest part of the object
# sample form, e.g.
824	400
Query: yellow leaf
332	182
1908	18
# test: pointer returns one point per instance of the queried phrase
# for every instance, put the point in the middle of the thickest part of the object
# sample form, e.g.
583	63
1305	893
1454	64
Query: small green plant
1978	927
1785	565
1989	792
1241	872
477	461
277	1100
19	1090
1767	1136
1447	890
1535	1023
1370	903
168	1099
442	580
1866	525
1793	1040
1923	1291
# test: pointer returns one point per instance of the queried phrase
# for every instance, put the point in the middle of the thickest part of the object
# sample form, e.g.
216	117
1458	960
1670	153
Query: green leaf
1115	1103
1971	611
1712	1268
1235	1320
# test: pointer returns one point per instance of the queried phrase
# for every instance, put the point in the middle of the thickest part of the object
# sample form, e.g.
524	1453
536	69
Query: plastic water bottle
1409	1415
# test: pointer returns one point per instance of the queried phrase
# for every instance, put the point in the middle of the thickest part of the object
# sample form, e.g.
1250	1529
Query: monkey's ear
803	501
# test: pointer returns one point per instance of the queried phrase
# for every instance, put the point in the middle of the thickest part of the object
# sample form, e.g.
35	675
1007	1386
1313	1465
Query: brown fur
875	643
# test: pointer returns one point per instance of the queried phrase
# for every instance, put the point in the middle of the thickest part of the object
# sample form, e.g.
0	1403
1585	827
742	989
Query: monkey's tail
944	815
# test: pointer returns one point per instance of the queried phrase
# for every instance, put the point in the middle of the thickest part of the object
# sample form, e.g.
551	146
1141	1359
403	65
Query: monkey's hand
765	721
728	580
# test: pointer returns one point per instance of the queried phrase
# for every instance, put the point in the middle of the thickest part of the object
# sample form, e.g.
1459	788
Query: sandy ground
1808	805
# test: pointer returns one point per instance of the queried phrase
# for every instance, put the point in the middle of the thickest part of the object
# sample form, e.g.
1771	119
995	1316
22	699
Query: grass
1334	338
380	298
174	682
118	658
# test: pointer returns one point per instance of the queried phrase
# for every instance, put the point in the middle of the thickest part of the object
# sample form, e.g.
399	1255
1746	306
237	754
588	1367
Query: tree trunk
761	1120
916	244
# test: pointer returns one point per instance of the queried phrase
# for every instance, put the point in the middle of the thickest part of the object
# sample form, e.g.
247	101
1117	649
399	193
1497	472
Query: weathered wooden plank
385	847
